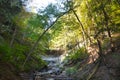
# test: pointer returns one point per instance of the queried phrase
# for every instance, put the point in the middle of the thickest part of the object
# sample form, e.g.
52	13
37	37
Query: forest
64	40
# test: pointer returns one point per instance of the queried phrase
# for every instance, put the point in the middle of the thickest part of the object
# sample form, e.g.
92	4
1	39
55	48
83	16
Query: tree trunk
100	48
13	37
106	22
83	30
108	29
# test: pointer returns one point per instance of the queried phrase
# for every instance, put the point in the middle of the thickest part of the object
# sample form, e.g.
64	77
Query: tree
44	32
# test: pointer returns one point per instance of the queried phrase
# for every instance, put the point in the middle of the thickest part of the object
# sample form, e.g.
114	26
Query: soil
109	67
8	72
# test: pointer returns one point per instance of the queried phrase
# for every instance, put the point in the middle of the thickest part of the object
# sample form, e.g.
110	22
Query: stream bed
54	71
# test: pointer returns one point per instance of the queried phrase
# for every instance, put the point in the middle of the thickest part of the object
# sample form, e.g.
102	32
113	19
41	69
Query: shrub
70	71
78	54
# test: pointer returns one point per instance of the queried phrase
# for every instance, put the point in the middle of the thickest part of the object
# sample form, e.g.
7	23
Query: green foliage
36	21
70	71
78	55
9	8
20	53
33	65
5	51
65	33
11	19
50	11
17	54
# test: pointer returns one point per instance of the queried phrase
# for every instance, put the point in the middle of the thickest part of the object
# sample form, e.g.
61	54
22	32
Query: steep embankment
107	68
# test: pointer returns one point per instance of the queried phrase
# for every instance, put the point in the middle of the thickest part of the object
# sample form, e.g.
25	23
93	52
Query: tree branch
83	30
